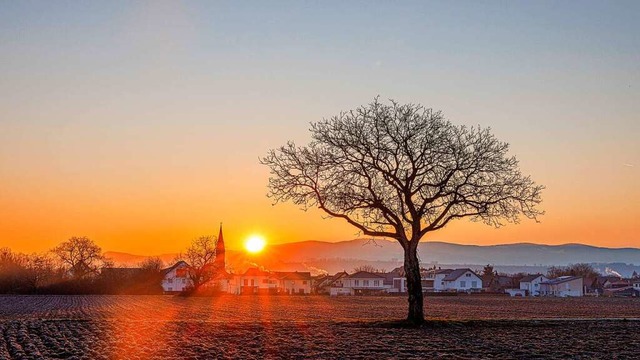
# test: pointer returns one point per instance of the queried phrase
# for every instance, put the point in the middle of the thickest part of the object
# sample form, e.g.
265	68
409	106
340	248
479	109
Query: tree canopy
402	171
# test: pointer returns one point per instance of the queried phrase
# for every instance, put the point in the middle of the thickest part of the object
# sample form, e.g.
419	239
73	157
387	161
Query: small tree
367	268
201	256
401	172
579	269
488	271
80	257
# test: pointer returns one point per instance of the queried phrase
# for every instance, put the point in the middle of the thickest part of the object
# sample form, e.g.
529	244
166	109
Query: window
170	280
357	282
467	275
246	282
474	284
376	282
184	281
170	289
463	284
253	282
366	282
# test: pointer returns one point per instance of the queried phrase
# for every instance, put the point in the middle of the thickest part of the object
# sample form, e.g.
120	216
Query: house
531	284
462	280
294	282
176	278
563	286
433	279
220	281
393	280
498	283
361	283
254	281
324	284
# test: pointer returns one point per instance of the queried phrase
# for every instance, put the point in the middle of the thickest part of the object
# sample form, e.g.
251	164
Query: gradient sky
140	124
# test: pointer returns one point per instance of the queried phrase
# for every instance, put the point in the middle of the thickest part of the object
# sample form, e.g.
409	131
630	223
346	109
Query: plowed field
159	327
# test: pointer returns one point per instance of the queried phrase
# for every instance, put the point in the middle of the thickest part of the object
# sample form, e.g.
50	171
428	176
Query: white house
254	281
176	278
531	284
325	283
433	280
462	280
361	283
294	282
564	286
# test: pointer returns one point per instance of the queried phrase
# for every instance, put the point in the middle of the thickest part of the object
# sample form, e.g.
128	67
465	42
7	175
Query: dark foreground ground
159	327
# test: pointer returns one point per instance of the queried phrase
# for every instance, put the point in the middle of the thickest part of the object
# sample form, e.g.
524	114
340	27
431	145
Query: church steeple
220	262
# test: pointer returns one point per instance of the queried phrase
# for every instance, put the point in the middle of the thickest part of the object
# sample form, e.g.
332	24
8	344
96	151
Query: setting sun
255	244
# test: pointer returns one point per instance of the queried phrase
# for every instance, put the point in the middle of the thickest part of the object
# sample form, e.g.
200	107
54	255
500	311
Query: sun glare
255	244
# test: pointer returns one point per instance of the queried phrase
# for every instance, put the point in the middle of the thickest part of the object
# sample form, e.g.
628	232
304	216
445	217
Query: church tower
220	262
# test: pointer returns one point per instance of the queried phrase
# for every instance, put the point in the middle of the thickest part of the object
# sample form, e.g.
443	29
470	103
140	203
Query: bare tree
80	256
151	264
401	172
579	269
367	268
201	256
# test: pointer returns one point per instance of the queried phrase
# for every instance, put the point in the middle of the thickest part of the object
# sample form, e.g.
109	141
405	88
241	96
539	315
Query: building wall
438	282
364	283
464	283
174	283
533	287
571	288
297	286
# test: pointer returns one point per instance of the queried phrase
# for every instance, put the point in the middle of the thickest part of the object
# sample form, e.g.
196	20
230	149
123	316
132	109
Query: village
255	281
178	279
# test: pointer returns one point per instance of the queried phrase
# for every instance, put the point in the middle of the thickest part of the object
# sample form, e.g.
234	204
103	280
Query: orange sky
141	127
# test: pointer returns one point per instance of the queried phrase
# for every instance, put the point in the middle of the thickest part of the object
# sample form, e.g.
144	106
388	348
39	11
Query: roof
255	272
434	272
179	263
365	275
610	278
561	279
455	274
530	278
293	275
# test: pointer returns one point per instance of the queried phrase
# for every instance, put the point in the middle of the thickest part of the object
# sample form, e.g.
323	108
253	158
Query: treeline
76	266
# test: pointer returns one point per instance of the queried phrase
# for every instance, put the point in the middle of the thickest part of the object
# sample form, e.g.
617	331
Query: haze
140	124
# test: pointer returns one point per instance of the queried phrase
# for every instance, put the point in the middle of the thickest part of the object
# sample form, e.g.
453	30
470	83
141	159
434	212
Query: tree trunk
414	285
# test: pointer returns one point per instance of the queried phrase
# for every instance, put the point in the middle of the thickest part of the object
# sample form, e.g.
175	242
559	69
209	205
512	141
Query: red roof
255	272
365	275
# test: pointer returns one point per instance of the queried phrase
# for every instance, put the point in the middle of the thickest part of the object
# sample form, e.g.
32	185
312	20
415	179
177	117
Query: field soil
466	327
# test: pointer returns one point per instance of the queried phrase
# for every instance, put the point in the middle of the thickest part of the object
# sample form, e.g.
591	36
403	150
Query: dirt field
148	327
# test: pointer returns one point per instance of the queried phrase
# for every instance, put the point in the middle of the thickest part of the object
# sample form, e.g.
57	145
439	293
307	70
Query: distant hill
442	252
319	256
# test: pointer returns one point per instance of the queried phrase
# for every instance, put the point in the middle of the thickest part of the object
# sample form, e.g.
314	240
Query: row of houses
257	281
253	281
363	282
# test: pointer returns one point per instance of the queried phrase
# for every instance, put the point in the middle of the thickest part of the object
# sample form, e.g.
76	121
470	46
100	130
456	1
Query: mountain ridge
429	251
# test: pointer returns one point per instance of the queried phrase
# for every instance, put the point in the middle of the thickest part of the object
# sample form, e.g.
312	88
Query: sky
140	124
